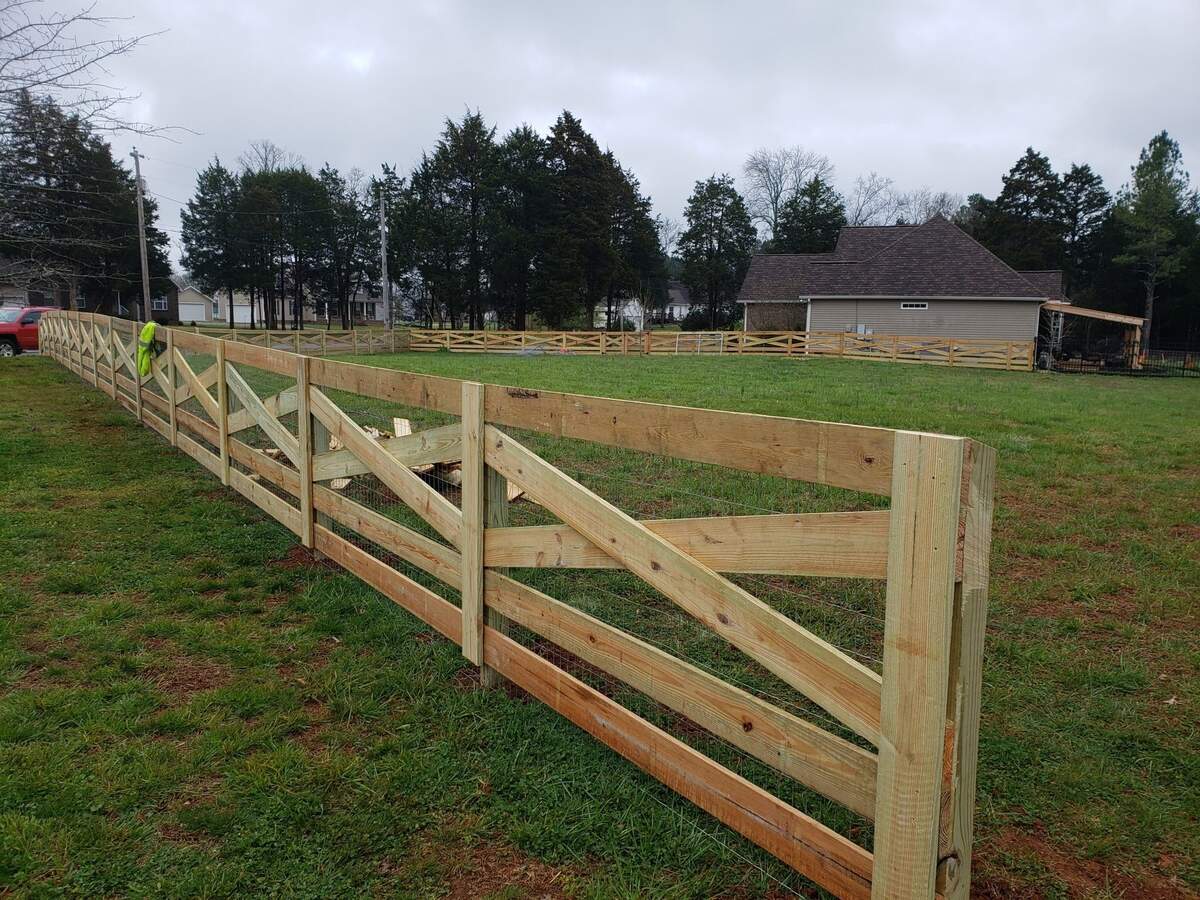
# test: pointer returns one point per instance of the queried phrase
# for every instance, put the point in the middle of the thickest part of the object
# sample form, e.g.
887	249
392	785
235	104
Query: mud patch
1082	877
298	557
185	676
485	869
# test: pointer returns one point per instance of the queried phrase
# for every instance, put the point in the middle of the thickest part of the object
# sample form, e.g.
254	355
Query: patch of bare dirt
311	736
186	675
1082	877
298	557
486	868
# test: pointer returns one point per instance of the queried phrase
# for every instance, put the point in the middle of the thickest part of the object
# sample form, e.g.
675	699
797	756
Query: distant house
931	279
679	301
625	310
194	304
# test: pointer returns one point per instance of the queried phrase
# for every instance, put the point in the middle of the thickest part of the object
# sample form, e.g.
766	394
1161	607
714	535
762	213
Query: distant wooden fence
931	547
941	351
313	341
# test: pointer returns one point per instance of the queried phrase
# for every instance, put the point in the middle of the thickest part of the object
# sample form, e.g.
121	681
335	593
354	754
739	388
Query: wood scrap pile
438	475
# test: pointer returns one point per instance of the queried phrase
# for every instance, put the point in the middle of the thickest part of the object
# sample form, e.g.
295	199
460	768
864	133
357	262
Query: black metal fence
1125	360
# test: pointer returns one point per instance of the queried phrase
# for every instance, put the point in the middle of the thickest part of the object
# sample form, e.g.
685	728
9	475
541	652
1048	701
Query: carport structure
1132	327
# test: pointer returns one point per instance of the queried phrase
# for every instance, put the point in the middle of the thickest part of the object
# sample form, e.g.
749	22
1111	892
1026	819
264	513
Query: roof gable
937	259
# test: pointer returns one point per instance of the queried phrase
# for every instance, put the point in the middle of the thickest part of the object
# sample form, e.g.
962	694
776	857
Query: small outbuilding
932	279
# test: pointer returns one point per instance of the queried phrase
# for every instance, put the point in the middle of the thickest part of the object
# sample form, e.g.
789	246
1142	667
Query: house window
914	306
216	314
159	304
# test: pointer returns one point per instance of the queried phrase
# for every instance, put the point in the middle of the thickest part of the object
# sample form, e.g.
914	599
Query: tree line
526	229
1136	250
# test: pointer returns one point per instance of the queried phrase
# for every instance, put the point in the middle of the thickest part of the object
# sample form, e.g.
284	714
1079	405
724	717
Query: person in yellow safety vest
145	348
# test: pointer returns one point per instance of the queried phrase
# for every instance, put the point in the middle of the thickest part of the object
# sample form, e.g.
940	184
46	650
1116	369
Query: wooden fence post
137	374
222	413
173	385
304	434
354	332
473	502
324	343
966	682
495	515
922	552
297	342
112	352
320	443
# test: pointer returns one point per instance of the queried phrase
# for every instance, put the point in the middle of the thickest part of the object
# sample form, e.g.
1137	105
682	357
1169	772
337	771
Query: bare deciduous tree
773	176
265	156
872	202
668	233
64	55
922	204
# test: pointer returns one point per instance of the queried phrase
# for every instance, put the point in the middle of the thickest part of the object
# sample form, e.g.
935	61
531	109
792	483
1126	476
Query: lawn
190	705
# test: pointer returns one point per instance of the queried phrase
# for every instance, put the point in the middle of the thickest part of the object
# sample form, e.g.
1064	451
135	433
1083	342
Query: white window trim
159	304
911	304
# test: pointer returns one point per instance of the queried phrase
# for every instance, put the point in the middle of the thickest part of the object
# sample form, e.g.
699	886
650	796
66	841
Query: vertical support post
112	352
472	521
222	413
137	374
171	382
325	342
495	515
646	343
304	434
320	443
966	679
922	555
354	331
297	336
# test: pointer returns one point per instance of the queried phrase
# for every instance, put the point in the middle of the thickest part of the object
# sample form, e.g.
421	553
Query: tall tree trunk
1149	310
229	294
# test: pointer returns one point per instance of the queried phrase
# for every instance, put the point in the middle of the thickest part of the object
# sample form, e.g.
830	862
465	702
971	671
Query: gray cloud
939	93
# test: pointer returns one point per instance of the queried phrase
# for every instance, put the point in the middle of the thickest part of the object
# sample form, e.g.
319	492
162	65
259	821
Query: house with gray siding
932	279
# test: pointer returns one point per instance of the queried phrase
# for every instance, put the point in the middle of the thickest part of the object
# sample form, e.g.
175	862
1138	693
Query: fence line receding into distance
896	746
975	353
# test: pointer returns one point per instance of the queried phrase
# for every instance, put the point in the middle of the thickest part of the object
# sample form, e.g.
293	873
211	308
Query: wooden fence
313	341
941	351
907	761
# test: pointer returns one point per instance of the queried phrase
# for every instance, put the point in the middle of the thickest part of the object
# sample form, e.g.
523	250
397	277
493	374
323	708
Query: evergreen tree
1026	224
716	246
346	240
68	211
212	251
1085	206
810	220
1159	210
577	259
521	202
467	158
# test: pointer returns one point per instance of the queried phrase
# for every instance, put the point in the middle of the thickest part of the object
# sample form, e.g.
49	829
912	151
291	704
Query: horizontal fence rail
313	341
942	351
895	746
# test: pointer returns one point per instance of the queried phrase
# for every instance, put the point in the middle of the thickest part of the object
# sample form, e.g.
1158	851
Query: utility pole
387	284
137	172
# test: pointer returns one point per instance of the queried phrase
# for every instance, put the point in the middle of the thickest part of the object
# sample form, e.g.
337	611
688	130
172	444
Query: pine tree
810	220
521	201
1159	210
212	252
716	246
68	211
1026	226
1085	206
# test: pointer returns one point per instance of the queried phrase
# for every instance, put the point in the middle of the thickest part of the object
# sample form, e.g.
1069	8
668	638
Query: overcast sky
941	94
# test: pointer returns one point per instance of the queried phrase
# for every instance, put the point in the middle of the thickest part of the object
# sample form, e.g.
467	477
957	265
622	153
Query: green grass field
188	705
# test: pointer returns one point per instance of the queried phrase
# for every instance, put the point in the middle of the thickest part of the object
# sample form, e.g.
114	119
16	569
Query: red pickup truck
19	328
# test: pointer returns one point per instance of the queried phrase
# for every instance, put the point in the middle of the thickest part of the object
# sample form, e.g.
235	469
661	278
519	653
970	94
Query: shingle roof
1049	281
864	241
937	259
